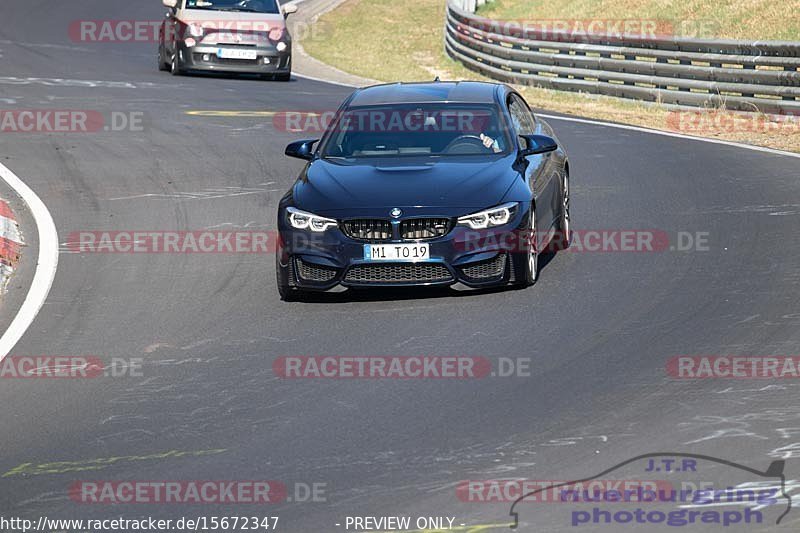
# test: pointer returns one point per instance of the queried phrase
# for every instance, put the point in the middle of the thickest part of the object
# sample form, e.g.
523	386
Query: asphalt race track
598	328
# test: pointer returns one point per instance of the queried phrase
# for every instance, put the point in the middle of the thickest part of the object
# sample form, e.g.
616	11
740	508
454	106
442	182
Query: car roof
472	92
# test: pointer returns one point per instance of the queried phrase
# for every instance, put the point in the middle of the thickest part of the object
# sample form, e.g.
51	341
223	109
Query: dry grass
734	19
390	40
782	133
382	39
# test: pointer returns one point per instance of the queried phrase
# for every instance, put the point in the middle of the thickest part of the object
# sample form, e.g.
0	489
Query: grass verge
723	19
391	41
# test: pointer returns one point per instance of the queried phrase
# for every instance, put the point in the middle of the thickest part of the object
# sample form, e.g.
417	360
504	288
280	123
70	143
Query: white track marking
670	134
61	82
322	80
45	266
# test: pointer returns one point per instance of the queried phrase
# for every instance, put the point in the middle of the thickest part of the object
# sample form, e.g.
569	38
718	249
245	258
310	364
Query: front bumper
323	261
268	60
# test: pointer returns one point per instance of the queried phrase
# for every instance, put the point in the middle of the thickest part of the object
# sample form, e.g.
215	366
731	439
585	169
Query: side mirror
172	4
288	9
536	144
302	149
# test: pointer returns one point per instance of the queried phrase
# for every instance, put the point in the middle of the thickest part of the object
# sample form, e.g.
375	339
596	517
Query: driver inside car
489	142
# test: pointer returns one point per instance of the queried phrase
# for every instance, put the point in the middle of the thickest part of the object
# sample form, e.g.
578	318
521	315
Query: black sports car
424	184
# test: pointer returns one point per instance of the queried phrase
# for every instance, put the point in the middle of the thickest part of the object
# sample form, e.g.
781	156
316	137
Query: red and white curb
46	263
10	244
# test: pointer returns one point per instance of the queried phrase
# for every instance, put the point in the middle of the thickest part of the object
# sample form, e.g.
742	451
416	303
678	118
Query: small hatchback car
424	184
235	36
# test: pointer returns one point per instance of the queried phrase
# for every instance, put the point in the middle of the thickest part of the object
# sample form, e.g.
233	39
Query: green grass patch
386	40
730	19
403	40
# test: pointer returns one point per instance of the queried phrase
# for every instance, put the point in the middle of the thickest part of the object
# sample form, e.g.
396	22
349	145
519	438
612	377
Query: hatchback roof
473	92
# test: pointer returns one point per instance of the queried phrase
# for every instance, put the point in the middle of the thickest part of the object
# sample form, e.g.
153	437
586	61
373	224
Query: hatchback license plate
232	53
397	252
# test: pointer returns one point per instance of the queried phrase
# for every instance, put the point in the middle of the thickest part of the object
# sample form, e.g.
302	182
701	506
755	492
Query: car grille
415	229
315	273
399	273
493	268
424	228
214	60
229	61
368	229
228	42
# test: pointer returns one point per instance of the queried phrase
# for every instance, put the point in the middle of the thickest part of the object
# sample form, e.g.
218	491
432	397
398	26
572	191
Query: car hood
328	186
232	19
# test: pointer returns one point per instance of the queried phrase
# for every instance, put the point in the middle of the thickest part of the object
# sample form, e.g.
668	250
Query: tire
526	264
287	76
287	293
176	68
565	223
162	65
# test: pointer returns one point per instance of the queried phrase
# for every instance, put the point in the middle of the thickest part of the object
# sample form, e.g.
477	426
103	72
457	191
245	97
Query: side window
521	117
526	110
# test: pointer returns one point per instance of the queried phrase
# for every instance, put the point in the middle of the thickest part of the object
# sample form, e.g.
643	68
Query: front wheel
564	236
287	293
286	76
526	262
162	65
176	67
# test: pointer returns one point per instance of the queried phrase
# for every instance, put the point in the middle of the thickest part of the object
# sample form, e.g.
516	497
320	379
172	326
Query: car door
537	172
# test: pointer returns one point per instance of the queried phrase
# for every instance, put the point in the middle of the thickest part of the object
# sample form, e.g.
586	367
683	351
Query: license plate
232	53
397	252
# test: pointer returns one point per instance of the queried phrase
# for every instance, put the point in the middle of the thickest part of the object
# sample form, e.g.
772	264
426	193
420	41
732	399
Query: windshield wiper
244	9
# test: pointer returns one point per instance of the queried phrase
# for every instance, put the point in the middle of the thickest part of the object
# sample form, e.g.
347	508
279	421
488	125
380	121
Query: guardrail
470	5
741	75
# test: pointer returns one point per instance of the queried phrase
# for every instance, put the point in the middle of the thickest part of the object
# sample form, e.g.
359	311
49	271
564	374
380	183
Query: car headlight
496	216
196	30
276	34
305	220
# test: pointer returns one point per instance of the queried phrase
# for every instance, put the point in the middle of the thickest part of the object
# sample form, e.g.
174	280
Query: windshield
247	6
417	130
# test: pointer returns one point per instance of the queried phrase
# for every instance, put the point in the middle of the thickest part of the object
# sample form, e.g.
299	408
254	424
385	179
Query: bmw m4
424	184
